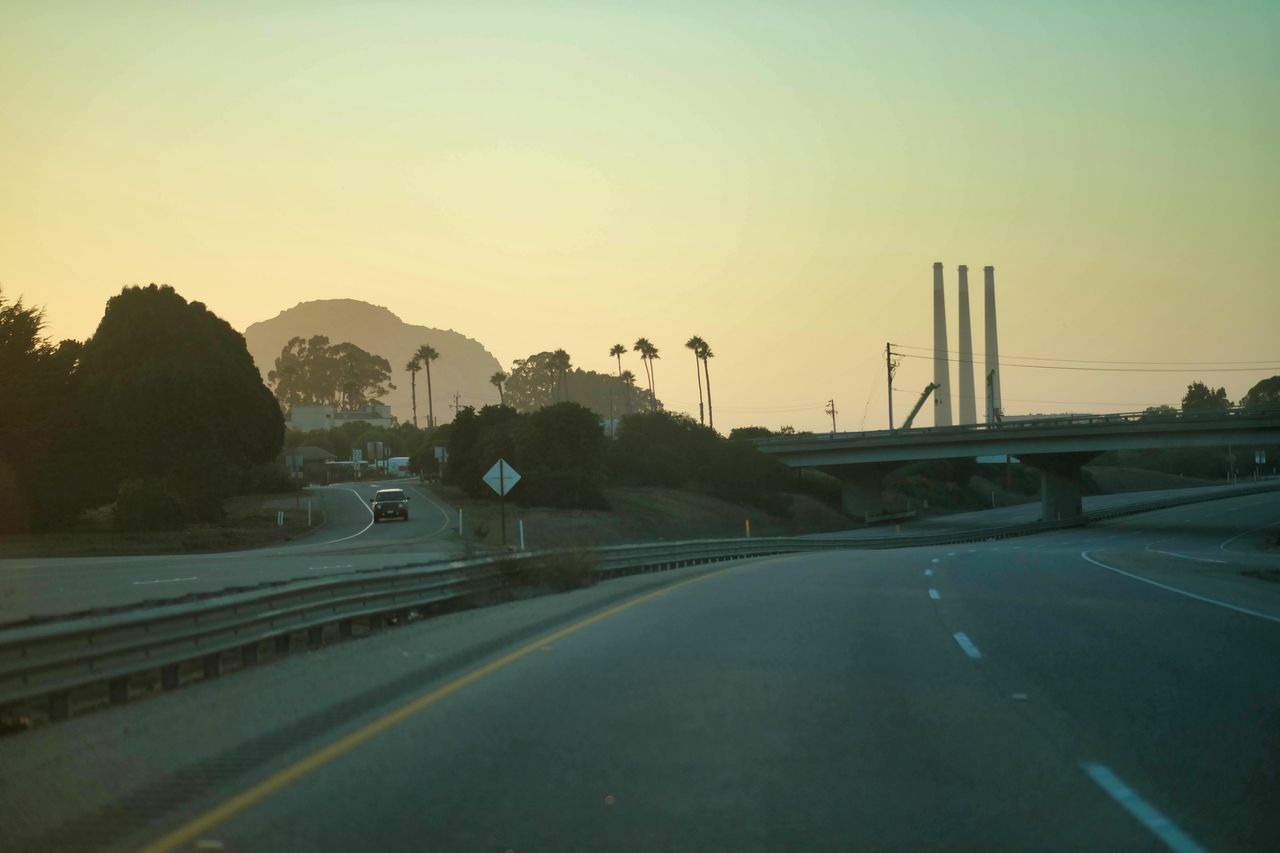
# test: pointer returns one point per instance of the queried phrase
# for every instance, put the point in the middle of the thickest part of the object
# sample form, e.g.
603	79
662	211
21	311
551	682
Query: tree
426	355
618	351
1264	394
164	380
496	381
648	352
1202	398
362	378
414	365
706	355
696	344
629	379
561	363
38	383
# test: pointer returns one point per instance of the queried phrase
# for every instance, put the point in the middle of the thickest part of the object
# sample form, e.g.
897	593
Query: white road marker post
521	523
280	518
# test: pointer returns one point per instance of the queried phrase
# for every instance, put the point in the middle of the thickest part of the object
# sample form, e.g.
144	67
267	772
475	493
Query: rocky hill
464	365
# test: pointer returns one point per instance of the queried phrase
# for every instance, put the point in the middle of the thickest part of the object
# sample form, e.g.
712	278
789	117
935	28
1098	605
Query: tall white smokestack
993	347
968	402
941	365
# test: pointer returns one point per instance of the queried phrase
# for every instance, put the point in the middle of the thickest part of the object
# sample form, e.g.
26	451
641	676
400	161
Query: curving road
348	541
1099	688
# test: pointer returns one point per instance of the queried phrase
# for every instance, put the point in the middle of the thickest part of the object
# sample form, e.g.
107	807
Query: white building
308	418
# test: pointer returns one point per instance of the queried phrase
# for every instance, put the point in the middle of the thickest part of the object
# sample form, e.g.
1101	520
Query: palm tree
696	344
414	365
618	351
706	354
560	364
648	352
496	381
426	355
629	379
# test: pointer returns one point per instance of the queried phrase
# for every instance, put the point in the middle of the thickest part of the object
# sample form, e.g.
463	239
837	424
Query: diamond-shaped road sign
501	477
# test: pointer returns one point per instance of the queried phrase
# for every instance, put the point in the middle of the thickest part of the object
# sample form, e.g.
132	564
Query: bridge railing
1232	415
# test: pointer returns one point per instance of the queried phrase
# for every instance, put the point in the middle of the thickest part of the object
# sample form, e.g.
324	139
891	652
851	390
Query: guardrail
50	660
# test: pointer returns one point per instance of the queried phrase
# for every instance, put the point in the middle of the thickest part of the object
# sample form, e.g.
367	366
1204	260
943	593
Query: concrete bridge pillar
1061	483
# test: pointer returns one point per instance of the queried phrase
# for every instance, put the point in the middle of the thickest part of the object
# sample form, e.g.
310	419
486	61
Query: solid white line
965	643
1223	547
363	504
164	580
1184	556
1161	827
933	593
1244	610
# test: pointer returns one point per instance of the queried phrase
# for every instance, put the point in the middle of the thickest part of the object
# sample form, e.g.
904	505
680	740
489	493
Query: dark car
390	503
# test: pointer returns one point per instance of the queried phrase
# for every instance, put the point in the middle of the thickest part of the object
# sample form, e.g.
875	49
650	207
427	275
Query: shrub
145	505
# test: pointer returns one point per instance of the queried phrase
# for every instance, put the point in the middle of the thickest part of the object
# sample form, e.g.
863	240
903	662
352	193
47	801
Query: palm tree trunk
431	403
697	368
711	413
413	387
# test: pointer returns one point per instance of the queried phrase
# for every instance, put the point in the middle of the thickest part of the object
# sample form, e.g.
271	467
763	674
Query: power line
1086	360
1069	402
1183	370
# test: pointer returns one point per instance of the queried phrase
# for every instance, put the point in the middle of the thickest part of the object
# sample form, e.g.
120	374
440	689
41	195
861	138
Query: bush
202	482
146	505
266	478
560	489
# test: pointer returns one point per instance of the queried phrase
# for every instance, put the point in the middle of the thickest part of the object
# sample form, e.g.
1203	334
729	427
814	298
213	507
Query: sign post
502	478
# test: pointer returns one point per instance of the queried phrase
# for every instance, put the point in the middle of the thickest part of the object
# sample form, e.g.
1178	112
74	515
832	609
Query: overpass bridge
1058	447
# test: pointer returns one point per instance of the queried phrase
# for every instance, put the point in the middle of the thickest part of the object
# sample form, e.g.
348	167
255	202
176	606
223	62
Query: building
308	418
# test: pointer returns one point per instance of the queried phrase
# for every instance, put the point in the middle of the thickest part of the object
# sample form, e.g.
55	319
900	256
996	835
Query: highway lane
995	696
349	541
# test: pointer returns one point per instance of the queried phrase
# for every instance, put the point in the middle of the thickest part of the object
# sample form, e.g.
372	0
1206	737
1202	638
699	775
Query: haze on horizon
778	179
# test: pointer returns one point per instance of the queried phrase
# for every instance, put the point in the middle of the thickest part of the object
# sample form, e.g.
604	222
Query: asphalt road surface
348	541
1107	688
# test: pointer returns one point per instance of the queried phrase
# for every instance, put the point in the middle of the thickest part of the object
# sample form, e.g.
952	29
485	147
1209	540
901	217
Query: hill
464	365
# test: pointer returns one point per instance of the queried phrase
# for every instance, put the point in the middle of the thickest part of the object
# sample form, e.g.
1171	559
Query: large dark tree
165	380
1265	394
37	386
1202	398
313	372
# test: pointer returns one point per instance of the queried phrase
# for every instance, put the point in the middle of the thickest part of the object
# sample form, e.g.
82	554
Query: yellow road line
282	779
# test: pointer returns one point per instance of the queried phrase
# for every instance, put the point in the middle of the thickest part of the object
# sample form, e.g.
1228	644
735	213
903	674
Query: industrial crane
924	395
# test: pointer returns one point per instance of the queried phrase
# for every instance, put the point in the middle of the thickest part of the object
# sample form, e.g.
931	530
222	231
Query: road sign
501	477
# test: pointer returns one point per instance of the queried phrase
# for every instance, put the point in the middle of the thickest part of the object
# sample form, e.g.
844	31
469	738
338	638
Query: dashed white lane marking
933	593
1174	589
928	573
1159	825
1184	556
965	643
951	553
935	560
164	580
327	568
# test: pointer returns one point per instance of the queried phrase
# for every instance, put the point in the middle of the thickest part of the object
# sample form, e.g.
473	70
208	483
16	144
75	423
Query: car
389	503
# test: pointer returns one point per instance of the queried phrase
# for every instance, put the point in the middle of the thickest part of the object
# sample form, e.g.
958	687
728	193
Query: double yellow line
282	779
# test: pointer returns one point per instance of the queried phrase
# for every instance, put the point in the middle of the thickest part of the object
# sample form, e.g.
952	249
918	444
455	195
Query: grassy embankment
250	523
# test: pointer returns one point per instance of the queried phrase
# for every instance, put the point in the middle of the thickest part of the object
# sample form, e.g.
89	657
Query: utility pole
831	410
456	404
890	366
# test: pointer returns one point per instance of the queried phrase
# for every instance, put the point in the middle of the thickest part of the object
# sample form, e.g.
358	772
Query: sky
778	178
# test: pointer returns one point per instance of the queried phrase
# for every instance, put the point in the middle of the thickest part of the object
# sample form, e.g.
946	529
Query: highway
348	541
1111	687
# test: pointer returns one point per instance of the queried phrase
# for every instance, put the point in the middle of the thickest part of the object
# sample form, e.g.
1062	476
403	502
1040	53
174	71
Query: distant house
307	463
308	418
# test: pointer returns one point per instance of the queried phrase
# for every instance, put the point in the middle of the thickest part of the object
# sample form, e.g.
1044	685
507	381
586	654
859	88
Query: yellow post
748	528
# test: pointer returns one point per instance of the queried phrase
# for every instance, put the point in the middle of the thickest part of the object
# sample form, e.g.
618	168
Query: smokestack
968	401
993	347
941	365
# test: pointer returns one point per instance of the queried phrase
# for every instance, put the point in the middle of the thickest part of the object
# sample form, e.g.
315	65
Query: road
349	541
1098	688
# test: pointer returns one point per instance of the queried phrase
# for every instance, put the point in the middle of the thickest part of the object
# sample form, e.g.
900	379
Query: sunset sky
776	177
